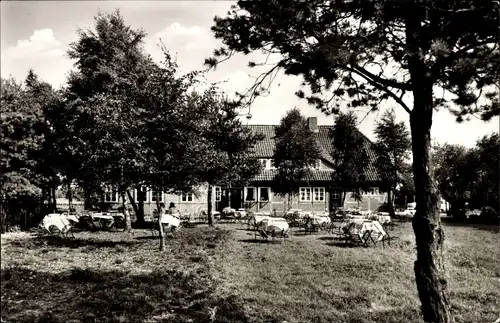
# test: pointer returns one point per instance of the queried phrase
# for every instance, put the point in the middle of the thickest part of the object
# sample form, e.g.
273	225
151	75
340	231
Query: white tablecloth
361	226
170	220
55	220
100	216
275	225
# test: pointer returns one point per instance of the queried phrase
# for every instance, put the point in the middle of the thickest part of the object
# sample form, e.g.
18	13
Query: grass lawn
224	275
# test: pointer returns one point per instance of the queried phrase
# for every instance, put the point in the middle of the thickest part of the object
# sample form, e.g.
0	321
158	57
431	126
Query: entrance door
231	197
236	200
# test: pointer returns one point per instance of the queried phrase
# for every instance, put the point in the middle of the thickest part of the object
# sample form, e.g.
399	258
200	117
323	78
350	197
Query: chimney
312	124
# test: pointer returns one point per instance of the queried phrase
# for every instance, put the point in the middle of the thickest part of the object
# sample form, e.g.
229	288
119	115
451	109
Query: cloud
43	52
41	43
191	42
180	36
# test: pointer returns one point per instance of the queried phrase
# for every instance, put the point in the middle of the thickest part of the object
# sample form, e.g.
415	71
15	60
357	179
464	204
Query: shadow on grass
245	229
450	222
259	241
150	237
342	244
76	243
330	238
112	296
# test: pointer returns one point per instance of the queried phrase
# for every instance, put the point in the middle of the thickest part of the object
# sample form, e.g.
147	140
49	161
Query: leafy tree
369	51
233	143
406	186
468	175
486	188
392	147
349	156
105	124
25	169
295	152
456	174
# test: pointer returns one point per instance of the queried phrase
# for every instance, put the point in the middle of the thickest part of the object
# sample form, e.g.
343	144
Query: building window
156	196
218	194
335	195
263	162
141	194
318	164
250	194
187	197
319	194
305	194
264	194
372	191
111	195
273	165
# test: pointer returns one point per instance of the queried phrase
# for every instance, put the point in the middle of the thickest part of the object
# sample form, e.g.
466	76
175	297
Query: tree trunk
288	201
140	214
160	225
390	200
54	205
126	213
70	197
343	195
429	235
135	207
209	207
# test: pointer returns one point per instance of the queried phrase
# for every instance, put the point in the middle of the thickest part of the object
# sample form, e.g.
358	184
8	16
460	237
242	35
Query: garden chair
263	234
282	234
355	237
311	226
119	223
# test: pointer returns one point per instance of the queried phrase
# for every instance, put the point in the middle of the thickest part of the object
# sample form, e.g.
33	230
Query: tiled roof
265	149
316	175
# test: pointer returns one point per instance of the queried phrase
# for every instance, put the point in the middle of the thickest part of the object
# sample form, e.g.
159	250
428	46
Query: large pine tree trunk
429	235
209	206
429	266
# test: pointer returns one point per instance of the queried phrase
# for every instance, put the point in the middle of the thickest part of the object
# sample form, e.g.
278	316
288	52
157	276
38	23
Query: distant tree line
468	178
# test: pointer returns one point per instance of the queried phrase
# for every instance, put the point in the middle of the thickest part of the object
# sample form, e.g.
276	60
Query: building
258	196
317	196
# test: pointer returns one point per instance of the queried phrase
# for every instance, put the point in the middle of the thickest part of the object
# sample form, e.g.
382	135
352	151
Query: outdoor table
355	217
384	219
365	229
170	220
56	220
105	220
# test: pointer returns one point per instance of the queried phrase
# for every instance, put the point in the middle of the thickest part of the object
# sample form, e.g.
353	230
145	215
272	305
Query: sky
37	34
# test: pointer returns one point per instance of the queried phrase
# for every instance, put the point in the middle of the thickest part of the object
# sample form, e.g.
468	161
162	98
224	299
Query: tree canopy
135	122
392	148
366	52
360	53
468	177
295	153
350	158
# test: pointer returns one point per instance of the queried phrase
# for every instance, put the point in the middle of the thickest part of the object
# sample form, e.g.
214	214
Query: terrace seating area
352	226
